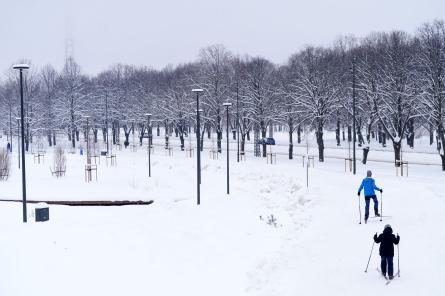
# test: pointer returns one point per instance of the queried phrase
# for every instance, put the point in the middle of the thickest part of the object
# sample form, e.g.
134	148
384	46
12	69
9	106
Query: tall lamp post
227	105
354	162
18	140
198	148
149	143
106	120
20	68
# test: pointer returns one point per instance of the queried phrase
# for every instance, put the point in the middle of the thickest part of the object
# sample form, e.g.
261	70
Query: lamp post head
147	114
20	66
197	90
18	118
227	104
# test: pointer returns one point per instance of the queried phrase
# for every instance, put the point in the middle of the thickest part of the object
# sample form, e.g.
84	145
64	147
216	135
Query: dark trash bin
42	213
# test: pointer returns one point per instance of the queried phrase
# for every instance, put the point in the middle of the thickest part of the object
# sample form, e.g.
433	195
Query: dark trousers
367	202
387	261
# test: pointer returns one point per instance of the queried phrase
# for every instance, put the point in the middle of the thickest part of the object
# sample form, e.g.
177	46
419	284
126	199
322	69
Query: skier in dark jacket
368	184
387	241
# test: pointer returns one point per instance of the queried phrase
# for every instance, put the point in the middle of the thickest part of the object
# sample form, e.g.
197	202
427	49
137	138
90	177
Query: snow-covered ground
225	246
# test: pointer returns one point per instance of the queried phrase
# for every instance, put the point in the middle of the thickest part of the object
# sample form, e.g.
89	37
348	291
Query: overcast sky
162	32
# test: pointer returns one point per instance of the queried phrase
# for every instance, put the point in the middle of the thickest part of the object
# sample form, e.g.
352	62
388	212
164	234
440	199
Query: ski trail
328	253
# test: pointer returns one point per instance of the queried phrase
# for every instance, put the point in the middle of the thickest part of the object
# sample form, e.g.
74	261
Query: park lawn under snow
222	247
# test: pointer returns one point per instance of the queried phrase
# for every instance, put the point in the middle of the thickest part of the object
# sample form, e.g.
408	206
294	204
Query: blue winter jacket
369	184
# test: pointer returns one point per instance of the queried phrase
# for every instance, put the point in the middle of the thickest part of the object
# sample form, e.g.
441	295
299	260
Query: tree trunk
349	134
380	134
337	133
291	145
50	142
365	154
263	135
320	143
431	134
127	135
243	142
443	162
299	134
397	148
54	139
218	140
73	138
181	138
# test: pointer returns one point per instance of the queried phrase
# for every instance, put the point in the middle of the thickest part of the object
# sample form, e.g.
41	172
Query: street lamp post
149	143
106	120
198	152
22	67
227	105
353	118
237	126
18	140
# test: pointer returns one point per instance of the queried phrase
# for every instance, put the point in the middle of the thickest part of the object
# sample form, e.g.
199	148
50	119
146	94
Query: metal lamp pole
237	126
106	119
22	67
227	105
149	143
198	152
354	160
18	140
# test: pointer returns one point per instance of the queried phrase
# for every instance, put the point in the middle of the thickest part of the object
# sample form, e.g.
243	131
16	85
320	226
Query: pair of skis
388	281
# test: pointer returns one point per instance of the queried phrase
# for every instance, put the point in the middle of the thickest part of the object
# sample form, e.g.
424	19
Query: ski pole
359	210
398	257
366	270
381	206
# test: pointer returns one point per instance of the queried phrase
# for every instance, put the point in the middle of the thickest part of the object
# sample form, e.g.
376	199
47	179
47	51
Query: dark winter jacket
387	240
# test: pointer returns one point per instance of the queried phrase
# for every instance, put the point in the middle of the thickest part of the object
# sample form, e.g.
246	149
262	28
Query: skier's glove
381	190
358	193
375	236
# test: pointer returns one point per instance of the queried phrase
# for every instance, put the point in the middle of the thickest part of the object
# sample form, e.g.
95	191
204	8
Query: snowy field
225	246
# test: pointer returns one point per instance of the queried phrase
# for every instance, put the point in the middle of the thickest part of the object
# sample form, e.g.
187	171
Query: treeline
397	80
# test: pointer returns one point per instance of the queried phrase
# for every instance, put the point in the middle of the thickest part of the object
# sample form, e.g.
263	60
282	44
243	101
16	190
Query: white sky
161	32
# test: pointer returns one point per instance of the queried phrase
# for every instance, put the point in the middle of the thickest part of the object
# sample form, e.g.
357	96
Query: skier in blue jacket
368	184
